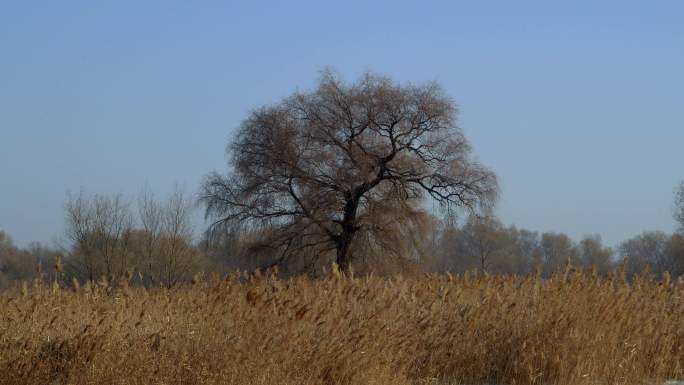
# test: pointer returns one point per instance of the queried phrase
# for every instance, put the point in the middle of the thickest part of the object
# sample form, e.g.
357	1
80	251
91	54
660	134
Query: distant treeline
150	242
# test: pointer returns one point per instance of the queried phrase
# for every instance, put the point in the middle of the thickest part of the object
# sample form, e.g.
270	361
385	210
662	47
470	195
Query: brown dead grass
571	329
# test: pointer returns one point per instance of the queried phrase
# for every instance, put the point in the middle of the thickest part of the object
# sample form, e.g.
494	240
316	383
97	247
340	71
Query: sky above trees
577	107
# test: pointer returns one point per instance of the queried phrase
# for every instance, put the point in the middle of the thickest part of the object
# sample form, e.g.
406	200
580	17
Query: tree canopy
341	168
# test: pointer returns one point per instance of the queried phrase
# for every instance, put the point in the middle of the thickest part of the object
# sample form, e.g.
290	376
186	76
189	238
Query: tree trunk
346	236
343	259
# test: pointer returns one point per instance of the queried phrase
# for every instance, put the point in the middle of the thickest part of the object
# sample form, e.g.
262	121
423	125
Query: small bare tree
167	253
679	207
178	253
485	239
315	168
99	227
593	255
15	264
150	214
79	227
652	250
556	250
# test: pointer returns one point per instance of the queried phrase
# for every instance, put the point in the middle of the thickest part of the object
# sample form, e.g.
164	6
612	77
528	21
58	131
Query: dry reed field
570	329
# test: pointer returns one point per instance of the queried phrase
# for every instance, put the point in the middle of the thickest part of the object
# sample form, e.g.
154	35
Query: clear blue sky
577	105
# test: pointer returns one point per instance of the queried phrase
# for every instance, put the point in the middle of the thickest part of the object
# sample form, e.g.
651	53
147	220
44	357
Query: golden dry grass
571	329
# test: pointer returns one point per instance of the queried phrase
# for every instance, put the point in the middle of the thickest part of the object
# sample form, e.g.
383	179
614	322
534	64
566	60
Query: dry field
571	329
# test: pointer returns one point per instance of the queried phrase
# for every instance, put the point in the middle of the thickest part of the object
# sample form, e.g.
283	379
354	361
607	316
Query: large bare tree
322	167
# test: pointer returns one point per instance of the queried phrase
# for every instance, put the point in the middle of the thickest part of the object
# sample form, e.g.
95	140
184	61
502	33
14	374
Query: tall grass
570	329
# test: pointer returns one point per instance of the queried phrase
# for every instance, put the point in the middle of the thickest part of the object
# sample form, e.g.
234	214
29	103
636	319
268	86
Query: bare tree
524	251
113	223
99	227
79	228
652	250
150	215
677	252
593	254
106	243
15	264
178	253
556	250
483	243
484	239
315	167
679	207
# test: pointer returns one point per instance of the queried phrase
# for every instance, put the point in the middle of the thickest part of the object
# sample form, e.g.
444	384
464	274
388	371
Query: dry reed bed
571	329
